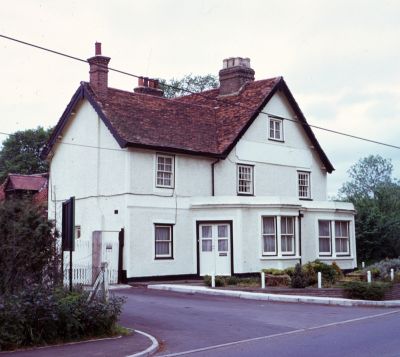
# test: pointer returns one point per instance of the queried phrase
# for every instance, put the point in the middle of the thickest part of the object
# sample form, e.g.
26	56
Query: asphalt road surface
200	325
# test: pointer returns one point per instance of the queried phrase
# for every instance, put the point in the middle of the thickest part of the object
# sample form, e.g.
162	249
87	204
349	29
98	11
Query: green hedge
365	291
40	316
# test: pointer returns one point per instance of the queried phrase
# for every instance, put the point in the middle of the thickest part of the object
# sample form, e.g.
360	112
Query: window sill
305	199
245	194
282	257
163	258
277	140
340	257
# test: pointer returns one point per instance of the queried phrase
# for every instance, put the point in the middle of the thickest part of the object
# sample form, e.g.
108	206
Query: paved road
183	323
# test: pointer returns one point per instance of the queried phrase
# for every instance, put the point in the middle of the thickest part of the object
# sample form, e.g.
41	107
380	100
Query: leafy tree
21	152
376	197
27	246
366	176
189	83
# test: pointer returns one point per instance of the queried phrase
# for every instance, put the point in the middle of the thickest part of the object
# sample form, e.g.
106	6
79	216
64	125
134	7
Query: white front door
215	249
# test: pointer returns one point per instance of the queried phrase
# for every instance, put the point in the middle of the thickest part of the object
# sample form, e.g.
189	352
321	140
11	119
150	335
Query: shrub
219	280
382	268
365	291
232	280
289	271
38	316
299	279
272	271
277	280
330	273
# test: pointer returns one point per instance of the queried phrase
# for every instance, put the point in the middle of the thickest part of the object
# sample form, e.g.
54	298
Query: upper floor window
304	184
276	129
245	179
163	241
164	171
342	237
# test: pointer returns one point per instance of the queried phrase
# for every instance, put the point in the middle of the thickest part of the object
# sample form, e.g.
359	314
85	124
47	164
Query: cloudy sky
341	59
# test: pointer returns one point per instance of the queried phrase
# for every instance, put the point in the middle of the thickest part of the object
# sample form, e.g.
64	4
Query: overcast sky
341	59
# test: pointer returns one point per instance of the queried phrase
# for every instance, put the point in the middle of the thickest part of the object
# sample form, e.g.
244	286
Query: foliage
219	281
289	271
366	176
232	280
382	269
21	152
330	274
376	197
278	280
37	316
299	279
366	291
188	84
273	271
27	246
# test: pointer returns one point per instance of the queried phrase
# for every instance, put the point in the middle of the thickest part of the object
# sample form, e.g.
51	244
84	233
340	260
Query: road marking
280	334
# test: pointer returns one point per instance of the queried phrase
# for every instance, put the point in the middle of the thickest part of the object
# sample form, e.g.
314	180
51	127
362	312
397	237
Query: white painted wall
124	179
275	163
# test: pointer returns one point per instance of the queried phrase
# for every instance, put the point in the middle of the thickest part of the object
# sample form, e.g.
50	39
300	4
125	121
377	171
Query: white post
392	274
262	280
363	265
213	280
369	276
319	280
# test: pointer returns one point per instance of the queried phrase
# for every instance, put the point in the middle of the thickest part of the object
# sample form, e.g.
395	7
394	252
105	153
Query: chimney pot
140	81
97	48
148	86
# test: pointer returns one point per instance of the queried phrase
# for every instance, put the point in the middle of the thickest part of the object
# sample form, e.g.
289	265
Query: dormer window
275	129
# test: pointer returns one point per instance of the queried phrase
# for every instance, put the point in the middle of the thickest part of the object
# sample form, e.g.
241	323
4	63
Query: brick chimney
148	86
235	73
99	72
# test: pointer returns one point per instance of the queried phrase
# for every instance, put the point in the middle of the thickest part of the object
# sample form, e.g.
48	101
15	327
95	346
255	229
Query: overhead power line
190	92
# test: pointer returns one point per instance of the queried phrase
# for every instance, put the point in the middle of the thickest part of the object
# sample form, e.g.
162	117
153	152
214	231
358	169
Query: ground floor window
163	241
269	235
341	235
287	235
278	235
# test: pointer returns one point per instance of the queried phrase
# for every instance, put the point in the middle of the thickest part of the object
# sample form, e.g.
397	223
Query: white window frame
170	241
172	172
300	185
329	237
247	182
339	236
286	235
273	130
263	235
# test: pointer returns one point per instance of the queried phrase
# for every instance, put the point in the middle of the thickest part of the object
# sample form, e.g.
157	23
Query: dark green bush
219	281
330	273
299	278
40	316
232	280
272	271
365	291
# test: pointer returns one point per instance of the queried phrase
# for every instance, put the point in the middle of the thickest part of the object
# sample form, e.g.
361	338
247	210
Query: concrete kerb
188	289
148	351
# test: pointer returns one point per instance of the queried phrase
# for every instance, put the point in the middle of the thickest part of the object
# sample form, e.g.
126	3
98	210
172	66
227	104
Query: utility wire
191	92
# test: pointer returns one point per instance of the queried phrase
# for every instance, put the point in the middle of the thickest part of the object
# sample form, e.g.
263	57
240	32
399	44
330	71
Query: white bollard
262	280
392	274
213	280
363	265
369	276
319	280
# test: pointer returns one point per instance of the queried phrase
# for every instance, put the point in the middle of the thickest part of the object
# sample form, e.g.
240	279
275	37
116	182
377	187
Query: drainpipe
212	177
301	215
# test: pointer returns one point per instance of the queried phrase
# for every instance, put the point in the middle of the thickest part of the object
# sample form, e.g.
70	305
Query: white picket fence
82	271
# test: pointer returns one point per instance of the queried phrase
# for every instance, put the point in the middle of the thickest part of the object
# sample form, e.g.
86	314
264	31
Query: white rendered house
229	181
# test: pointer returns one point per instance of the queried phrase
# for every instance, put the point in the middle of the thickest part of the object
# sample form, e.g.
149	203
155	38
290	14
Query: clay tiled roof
25	182
198	124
